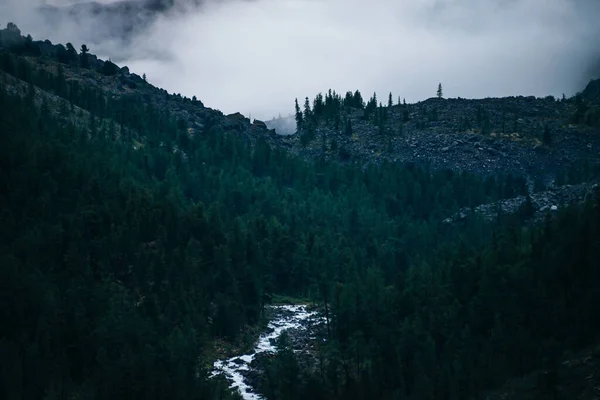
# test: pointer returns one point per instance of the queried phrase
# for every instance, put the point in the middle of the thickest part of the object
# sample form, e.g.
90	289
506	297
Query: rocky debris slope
538	205
522	135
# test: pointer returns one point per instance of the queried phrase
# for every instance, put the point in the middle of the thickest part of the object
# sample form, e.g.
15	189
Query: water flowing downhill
285	318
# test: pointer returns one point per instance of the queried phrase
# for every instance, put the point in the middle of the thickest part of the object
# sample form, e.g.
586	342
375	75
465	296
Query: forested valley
128	245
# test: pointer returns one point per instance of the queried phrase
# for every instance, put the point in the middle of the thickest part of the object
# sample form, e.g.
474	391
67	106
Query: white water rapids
289	317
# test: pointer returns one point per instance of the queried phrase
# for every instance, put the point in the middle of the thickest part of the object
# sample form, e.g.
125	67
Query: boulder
238	117
259	124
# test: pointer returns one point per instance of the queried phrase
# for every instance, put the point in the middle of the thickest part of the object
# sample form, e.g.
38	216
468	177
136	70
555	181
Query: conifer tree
84	56
298	115
307	111
358	100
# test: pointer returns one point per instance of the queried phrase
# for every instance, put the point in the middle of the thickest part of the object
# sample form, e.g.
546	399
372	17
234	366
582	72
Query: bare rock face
259	124
536	207
525	136
237	117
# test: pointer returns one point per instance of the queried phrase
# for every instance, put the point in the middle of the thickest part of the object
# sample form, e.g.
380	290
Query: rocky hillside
118	275
522	135
536	206
83	70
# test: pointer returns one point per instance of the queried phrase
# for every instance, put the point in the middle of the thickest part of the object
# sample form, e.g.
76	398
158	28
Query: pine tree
298	115
307	112
358	100
440	94
390	101
84	56
72	53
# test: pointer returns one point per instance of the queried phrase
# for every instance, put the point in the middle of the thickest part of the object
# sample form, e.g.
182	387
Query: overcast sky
257	56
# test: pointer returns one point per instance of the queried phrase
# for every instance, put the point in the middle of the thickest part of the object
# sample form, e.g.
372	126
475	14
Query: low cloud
257	56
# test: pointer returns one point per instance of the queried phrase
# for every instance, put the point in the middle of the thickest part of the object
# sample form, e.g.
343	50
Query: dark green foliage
299	118
527	208
109	68
333	145
62	55
472	317
588	105
344	154
84	56
307	136
71	53
101	278
283	373
358	100
121	265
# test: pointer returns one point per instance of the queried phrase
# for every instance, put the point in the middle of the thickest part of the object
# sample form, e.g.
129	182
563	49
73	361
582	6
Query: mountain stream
291	318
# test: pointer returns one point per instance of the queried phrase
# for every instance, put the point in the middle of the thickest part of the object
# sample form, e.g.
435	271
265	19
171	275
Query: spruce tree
84	56
298	115
307	112
358	100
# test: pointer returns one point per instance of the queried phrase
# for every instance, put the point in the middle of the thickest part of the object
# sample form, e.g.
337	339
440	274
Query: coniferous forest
127	246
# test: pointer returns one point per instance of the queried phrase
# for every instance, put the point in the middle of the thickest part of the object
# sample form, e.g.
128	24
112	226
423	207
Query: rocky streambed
303	327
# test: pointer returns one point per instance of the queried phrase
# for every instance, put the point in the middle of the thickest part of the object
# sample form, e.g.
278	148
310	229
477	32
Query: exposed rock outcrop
522	135
541	203
259	124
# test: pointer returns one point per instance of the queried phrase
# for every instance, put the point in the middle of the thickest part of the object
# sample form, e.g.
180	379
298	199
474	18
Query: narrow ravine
284	318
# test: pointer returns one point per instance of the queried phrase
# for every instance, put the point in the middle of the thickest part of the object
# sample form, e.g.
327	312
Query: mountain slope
523	135
138	228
